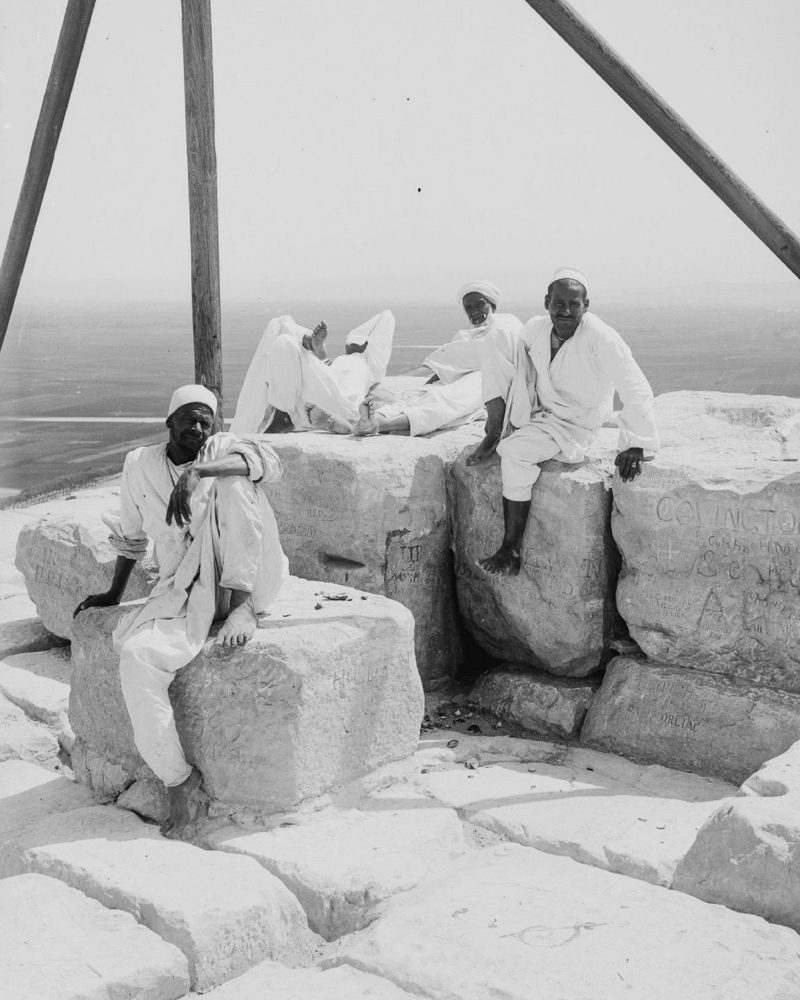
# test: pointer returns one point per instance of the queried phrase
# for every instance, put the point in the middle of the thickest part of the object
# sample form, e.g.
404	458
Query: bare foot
281	423
238	627
324	421
367	424
485	449
188	808
505	562
316	341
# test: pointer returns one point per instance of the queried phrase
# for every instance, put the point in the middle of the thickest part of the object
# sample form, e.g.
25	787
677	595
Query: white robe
554	409
231	543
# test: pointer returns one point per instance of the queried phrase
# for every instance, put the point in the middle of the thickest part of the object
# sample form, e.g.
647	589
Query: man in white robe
290	385
455	390
552	395
197	496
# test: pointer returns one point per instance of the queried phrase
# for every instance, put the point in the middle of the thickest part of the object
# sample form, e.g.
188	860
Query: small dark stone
473	728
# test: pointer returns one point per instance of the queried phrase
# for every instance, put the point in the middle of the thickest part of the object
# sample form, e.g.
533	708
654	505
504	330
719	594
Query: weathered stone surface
147	797
597	808
747	857
26	635
325	691
38	683
225	913
778	776
60	945
279	983
23	739
64	559
544	705
710	538
558	614
690	720
28	793
343	863
513	922
372	513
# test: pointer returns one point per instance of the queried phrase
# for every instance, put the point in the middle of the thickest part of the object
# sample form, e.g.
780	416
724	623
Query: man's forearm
122	573
227	465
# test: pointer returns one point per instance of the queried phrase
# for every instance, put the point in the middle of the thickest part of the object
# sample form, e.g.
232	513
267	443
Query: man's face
190	426
566	302
478	308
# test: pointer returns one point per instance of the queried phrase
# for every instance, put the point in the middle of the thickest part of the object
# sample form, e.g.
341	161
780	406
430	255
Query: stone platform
325	691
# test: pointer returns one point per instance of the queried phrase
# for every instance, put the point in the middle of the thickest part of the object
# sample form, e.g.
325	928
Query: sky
373	150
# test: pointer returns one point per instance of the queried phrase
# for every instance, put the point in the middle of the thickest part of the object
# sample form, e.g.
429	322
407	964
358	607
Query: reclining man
557	390
455	390
290	386
216	542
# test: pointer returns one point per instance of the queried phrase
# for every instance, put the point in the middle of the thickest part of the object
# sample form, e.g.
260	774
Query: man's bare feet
281	423
367	423
239	626
188	808
321	420
505	562
315	342
485	449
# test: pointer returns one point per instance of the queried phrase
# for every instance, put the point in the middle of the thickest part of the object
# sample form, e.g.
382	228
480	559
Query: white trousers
521	454
437	406
151	655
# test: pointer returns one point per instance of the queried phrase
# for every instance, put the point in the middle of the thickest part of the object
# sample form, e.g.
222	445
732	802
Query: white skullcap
192	394
570	274
484	288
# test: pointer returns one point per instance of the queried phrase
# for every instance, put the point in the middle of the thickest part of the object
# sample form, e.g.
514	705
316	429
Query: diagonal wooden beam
670	127
198	81
43	150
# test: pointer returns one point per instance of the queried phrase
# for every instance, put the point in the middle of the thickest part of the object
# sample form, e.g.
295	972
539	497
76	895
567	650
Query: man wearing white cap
455	391
553	394
289	386
216	544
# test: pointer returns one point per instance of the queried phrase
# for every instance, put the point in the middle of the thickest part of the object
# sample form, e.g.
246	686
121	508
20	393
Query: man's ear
586	301
547	301
492	306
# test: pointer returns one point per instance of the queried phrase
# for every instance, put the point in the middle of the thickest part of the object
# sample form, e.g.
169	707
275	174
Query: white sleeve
637	419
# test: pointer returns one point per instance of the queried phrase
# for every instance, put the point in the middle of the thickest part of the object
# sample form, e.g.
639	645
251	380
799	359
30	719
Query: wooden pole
198	80
43	150
670	127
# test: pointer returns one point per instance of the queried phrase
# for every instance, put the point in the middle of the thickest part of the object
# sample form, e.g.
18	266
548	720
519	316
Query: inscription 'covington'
748	518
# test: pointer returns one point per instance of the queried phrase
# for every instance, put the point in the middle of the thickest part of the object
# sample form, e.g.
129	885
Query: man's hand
629	463
180	503
107	600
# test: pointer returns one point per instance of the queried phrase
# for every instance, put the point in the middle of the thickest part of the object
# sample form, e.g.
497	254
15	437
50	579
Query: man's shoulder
144	454
536	326
507	321
598	329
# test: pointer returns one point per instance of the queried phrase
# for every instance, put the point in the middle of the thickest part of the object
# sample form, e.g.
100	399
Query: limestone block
507	921
28	793
558	613
147	797
710	539
23	739
596	808
545	705
38	683
279	983
225	913
325	691
64	558
747	857
372	513
690	720
60	945
27	635
343	863
778	776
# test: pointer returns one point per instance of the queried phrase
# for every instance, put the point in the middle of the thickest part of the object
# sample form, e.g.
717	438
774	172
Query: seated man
288	385
219	556
455	390
557	390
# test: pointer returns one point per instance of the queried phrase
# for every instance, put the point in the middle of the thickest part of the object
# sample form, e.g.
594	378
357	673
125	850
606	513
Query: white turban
570	274
192	394
484	288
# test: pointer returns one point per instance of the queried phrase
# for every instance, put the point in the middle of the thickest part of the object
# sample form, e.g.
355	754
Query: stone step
23	739
60	945
514	922
39	683
224	913
325	691
279	983
596	808
28	793
342	864
26	635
